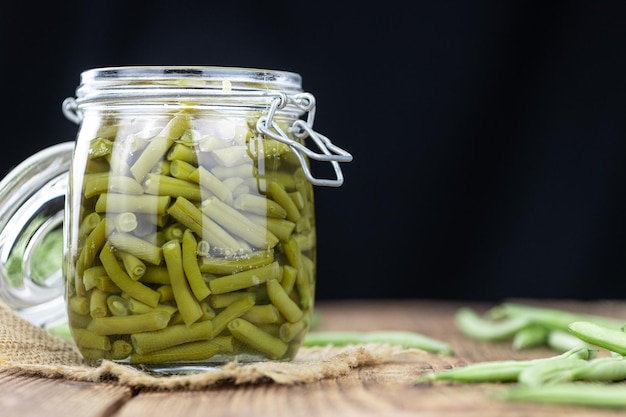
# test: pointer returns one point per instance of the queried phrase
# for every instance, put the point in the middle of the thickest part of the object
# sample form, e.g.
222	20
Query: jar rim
97	83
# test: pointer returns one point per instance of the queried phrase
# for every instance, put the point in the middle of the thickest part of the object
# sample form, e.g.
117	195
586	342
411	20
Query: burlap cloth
28	350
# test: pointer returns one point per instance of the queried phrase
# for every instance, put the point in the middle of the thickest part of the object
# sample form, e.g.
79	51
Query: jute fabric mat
28	350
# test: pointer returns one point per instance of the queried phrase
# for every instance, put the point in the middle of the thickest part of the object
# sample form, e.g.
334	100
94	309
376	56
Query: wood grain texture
381	390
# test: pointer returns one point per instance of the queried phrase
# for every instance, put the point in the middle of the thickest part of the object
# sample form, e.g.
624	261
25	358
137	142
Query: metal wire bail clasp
302	129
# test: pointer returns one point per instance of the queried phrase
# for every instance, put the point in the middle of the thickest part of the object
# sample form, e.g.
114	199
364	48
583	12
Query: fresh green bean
405	339
561	341
598	335
495	371
585	394
530	336
557	370
480	328
553	318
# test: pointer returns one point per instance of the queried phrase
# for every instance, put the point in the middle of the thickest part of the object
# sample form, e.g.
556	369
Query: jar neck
226	85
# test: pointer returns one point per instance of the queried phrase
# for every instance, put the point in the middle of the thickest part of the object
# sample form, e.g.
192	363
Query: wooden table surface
380	390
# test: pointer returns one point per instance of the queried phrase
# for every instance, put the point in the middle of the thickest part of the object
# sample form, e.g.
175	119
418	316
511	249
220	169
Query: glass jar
189	225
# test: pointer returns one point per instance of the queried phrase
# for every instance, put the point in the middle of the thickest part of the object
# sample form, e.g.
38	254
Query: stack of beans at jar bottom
196	240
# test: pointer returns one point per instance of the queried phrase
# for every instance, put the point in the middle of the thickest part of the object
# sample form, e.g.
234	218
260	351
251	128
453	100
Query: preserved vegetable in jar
190	224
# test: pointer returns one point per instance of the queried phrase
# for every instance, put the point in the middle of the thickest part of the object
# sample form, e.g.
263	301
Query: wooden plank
22	396
381	390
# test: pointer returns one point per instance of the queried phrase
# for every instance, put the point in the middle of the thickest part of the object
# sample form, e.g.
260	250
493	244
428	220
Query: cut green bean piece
135	323
245	279
281	300
135	288
187	304
90	340
229	265
256	338
238	224
171	336
165	185
209	181
192	351
136	246
120	203
158	146
234	310
197	284
260	205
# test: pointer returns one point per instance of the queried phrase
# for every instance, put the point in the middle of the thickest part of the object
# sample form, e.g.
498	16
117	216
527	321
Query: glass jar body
189	238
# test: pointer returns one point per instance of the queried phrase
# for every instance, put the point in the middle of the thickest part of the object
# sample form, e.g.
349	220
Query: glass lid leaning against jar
189	225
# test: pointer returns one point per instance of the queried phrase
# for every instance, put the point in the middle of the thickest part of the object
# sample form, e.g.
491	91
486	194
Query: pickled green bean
90	340
188	214
136	246
158	146
134	266
234	310
156	184
224	266
131	324
192	351
197	284
238	224
135	288
187	304
209	181
169	336
256	338
281	300
245	279
120	203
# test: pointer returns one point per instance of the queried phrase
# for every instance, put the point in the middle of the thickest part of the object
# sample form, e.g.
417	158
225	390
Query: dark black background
488	136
